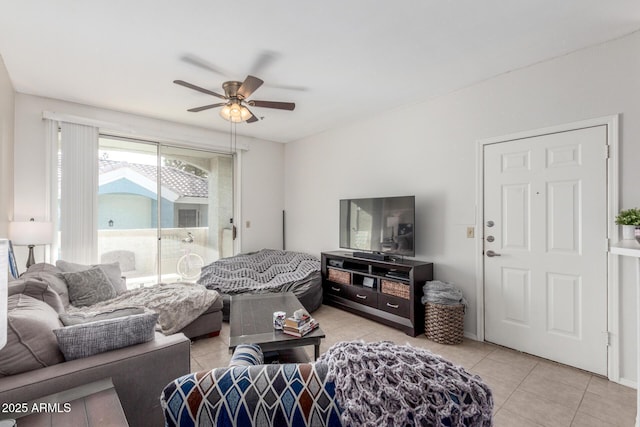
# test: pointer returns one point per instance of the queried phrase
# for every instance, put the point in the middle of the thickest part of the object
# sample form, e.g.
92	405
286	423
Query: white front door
545	213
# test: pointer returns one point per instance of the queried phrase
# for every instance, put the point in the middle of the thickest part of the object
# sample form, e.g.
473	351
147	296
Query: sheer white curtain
79	193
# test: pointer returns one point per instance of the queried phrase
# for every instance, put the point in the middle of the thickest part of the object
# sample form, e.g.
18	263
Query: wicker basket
339	276
444	324
395	288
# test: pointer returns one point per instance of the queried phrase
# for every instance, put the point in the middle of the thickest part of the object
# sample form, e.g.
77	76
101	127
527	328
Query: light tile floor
528	391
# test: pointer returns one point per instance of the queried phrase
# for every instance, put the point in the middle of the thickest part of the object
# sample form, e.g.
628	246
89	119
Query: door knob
491	254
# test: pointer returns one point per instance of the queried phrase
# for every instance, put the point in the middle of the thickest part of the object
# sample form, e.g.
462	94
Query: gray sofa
139	373
51	349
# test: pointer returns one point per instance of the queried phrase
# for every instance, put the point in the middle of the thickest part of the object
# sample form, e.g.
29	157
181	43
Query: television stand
389	292
378	256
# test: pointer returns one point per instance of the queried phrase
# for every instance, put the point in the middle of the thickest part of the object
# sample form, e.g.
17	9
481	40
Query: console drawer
336	289
394	305
362	296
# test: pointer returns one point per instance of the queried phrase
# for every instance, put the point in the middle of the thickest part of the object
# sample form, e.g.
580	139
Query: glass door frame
160	145
197	254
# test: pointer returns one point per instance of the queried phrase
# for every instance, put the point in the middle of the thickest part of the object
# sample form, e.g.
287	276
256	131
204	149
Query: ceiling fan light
225	113
235	112
245	114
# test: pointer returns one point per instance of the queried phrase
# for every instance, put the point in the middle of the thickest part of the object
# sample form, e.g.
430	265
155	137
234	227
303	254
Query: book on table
302	330
292	322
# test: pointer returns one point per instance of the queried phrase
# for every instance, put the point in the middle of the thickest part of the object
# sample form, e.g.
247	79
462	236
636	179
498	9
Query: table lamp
30	233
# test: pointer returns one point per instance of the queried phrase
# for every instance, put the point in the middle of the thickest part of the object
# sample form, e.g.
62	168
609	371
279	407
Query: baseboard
628	383
470	335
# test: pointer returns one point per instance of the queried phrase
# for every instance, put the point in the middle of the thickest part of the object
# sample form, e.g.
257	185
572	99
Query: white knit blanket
177	304
384	384
267	270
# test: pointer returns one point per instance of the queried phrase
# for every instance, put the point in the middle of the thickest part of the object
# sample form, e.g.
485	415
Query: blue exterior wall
128	188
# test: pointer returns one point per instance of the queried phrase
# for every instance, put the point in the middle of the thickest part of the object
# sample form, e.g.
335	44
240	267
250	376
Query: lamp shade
30	233
235	112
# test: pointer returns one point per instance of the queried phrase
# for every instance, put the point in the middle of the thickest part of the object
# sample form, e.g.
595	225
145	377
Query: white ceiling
339	61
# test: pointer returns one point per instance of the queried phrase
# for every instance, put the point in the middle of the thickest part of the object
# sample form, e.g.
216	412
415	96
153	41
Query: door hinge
607	153
607	338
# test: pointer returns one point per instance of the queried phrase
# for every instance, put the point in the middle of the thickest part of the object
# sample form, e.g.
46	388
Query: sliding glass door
196	212
163	212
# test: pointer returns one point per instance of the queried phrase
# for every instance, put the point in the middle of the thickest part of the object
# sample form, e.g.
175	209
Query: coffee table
251	322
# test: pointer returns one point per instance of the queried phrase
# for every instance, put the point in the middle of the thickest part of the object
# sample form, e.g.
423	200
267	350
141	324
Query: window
188	218
149	198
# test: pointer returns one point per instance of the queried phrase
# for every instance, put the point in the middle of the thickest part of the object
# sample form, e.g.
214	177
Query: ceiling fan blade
253	118
206	107
287	87
249	86
272	104
265	58
198	88
204	64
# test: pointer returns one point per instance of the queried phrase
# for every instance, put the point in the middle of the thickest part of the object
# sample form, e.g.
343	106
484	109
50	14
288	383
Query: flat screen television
384	225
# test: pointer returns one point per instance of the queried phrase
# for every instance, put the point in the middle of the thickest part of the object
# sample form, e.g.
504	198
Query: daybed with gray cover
266	271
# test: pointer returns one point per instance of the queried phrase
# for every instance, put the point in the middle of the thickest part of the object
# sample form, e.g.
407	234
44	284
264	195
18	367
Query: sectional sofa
51	348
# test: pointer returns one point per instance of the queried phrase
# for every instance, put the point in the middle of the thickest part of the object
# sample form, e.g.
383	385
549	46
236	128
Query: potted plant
629	219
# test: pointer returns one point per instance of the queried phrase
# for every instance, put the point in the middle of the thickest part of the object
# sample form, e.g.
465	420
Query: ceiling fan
235	95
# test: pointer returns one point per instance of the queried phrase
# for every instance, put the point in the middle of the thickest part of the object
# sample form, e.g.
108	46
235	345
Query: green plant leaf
629	217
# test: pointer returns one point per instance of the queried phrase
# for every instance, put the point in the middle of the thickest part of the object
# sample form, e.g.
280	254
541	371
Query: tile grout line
583	396
518	388
575	411
581	400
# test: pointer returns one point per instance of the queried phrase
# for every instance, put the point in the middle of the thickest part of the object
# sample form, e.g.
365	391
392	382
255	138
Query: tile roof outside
183	183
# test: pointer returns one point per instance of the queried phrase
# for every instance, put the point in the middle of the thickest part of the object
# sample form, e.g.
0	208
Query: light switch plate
471	232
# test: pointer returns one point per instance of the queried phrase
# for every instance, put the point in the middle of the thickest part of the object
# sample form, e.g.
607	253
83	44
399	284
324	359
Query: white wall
6	149
428	149
262	196
258	177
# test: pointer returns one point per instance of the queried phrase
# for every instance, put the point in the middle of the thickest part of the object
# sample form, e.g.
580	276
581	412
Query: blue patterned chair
250	393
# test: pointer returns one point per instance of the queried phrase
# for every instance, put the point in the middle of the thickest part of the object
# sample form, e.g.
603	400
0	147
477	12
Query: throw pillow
70	319
92	338
31	343
52	275
89	287
112	271
37	289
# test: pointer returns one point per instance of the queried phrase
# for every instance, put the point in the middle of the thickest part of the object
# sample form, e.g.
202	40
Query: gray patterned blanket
265	270
177	304
384	384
